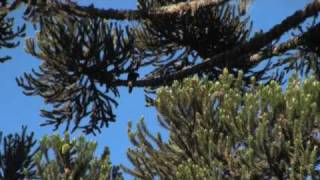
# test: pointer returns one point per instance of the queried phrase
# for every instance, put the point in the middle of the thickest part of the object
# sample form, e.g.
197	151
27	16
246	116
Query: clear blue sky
17	110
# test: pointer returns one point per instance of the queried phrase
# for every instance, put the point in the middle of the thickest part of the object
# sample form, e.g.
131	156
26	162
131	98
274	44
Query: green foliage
16	156
65	159
224	129
227	129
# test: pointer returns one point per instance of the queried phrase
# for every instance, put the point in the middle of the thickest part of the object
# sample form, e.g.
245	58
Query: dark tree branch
276	51
91	11
252	46
187	6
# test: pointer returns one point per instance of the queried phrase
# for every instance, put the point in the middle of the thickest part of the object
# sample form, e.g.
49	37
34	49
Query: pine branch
291	44
277	50
187	6
252	46
75	53
91	11
7	33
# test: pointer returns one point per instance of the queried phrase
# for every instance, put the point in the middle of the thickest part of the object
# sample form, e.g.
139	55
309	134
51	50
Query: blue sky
17	110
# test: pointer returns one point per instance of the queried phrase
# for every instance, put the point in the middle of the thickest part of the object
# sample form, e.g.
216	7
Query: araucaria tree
218	131
73	160
16	155
239	125
54	158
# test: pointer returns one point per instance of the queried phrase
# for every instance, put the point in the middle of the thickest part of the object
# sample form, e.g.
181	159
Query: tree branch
252	46
275	51
91	11
284	47
187	6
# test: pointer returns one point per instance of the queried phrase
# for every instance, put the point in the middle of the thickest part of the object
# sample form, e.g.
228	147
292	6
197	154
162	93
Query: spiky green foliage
225	130
16	156
65	159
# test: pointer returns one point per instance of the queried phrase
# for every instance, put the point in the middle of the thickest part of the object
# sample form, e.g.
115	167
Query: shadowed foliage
16	156
8	35
81	57
66	159
190	37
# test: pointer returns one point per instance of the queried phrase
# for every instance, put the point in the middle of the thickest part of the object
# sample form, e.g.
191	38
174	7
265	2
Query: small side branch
276	51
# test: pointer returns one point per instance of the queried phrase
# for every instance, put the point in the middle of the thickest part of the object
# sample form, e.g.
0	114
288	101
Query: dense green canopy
225	130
